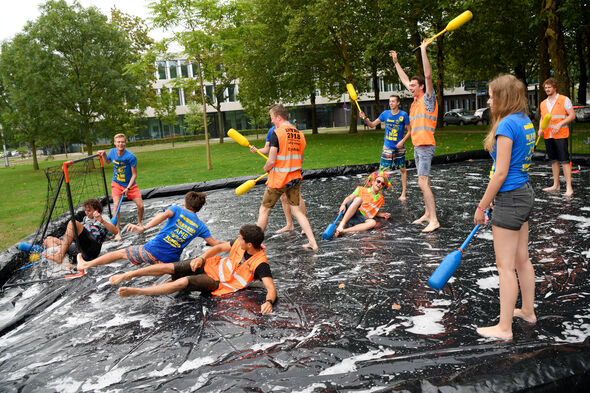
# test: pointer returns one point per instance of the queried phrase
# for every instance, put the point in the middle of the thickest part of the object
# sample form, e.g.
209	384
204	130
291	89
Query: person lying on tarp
211	273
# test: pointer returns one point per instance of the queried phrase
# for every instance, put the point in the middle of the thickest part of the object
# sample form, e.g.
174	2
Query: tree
165	109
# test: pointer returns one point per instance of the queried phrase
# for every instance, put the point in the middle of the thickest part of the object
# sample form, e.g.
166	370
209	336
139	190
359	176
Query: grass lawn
21	209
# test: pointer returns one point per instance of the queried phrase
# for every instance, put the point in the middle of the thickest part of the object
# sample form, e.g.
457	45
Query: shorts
89	247
358	217
138	255
392	158
118	189
513	208
197	280
557	149
423	158
272	195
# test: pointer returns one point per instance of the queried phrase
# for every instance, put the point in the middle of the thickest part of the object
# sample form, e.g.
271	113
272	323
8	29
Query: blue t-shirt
394	127
519	128
123	164
178	232
270	131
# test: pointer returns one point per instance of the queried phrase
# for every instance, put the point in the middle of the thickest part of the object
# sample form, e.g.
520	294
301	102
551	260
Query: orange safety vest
232	272
371	202
558	113
423	123
288	164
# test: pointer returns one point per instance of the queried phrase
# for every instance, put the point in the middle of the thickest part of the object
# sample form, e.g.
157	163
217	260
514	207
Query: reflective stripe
423	128
423	115
229	286
240	279
220	267
559	116
291	157
297	168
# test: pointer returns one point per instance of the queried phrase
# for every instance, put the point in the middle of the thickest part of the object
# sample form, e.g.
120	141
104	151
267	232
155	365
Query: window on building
231	93
172	67
161	70
183	68
176	95
209	92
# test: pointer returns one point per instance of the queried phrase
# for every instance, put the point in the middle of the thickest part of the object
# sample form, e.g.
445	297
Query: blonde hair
509	96
120	136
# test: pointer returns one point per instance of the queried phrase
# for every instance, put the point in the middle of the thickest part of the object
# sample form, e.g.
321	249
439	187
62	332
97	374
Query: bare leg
429	204
160	289
304	224
350	211
567	173
67	239
288	217
404	175
51	241
365	226
153	270
102	260
140	209
526	277
116	199
506	249
263	213
555	170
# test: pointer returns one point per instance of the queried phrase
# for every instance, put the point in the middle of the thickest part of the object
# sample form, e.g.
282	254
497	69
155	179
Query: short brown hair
194	200
93	203
420	80
120	136
252	234
552	82
279	110
396	96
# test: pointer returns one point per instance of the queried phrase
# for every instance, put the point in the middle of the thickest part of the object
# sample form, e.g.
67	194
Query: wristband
269	301
479	208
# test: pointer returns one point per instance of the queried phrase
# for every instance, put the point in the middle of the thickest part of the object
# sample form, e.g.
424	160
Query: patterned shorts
392	158
138	255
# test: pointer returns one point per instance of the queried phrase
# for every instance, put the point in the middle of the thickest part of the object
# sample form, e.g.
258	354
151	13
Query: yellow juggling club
241	139
247	185
352	94
544	124
452	25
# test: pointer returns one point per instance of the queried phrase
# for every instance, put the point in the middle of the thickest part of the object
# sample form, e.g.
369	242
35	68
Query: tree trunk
220	127
582	45
556	45
207	149
314	115
348	78
440	75
34	153
377	90
544	66
416	41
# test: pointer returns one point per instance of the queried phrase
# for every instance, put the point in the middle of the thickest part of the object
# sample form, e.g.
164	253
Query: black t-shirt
274	140
263	270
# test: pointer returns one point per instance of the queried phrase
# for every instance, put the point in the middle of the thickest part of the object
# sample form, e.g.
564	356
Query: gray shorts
423	158
513	208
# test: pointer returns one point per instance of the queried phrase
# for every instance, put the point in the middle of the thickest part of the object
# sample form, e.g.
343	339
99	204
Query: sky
16	13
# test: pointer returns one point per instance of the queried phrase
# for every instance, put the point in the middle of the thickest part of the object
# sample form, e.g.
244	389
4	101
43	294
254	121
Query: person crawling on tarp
211	273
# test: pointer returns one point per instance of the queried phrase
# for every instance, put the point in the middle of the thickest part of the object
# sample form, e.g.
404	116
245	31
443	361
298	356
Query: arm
571	116
400	71
271	294
264	150
154	222
213	242
370	123
400	144
132	180
345	201
107	224
217	249
504	146
427	69
272	159
384	215
104	156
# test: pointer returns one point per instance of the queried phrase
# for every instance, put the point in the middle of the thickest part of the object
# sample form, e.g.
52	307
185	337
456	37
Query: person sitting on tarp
182	227
92	232
362	206
211	273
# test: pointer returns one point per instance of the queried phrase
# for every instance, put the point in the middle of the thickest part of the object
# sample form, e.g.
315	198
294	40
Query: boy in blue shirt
393	155
124	177
182	227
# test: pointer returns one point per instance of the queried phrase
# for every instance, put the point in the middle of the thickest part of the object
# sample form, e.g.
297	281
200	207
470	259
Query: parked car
582	114
460	117
483	115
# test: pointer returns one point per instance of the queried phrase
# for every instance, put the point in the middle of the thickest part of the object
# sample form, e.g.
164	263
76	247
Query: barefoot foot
421	220
286	228
118	278
431	227
311	246
569	193
82	264
495	332
57	257
552	188
402	197
530	317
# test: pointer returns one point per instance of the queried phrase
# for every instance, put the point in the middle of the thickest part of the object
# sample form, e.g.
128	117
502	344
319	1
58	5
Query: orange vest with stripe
289	157
371	202
232	272
423	123
558	113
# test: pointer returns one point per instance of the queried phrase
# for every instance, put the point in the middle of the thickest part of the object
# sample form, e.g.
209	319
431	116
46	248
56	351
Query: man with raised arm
423	115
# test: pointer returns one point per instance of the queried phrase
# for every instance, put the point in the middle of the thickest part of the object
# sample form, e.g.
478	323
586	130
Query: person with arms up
556	135
124	177
423	115
393	155
511	142
284	162
210	273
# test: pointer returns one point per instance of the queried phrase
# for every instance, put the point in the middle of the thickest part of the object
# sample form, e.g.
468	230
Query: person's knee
180	284
139	204
371	223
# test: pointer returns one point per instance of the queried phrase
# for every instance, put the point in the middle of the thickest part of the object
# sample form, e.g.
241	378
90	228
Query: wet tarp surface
355	316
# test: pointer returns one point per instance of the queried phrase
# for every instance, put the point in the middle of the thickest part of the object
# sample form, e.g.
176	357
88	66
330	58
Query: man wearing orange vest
423	115
556	135
285	158
211	273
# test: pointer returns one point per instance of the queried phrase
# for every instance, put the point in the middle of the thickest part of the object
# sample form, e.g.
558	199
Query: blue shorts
392	158
423	158
358	217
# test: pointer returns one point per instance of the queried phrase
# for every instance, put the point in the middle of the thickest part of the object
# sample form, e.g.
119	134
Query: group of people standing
511	142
